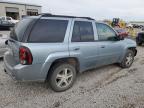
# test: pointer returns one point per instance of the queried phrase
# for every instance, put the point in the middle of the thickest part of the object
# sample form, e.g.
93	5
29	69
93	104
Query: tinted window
18	32
82	32
105	32
49	31
76	33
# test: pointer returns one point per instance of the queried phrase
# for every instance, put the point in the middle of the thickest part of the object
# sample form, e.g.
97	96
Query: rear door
110	48
82	43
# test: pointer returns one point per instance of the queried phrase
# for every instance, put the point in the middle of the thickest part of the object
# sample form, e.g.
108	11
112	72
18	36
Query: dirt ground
105	87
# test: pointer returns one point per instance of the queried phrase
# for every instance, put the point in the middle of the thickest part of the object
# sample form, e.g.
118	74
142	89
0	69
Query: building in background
16	9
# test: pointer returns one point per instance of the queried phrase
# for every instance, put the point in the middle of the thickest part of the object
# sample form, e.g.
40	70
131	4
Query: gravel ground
105	87
4	32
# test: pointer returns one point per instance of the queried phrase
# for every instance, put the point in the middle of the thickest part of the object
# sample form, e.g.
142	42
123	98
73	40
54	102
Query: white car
3	47
9	19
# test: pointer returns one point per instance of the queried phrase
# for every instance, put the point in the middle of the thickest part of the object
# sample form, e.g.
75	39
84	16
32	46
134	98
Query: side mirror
115	38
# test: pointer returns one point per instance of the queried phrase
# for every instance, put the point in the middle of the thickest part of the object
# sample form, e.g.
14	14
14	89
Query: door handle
103	46
76	49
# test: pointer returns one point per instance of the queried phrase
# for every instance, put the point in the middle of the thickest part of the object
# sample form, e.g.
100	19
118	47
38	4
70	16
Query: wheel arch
125	50
133	49
70	60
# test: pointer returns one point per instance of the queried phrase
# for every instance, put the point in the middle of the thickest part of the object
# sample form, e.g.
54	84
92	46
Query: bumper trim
9	72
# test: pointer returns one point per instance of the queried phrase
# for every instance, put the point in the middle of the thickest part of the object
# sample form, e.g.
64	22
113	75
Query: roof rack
64	16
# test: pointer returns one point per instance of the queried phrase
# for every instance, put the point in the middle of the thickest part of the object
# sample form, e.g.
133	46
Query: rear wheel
128	59
62	77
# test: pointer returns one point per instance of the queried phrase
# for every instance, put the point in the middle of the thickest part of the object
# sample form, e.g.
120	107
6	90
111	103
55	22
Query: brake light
25	56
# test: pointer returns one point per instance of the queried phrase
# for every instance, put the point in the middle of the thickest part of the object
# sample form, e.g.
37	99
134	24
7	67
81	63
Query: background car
9	19
7	22
122	32
3	47
140	38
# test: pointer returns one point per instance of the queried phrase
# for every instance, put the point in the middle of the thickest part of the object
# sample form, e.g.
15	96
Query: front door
110	48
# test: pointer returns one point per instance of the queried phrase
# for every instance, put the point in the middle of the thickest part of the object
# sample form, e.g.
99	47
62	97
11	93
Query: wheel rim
129	59
64	78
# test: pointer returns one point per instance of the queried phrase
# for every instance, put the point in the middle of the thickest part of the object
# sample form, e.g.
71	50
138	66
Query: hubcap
64	77
129	59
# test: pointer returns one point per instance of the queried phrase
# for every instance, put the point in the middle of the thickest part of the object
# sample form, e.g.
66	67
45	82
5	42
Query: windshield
18	32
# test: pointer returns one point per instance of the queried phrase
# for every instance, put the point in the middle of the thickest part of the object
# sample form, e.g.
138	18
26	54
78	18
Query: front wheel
128	59
62	77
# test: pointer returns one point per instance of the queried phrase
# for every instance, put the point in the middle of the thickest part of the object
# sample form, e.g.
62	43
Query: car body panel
109	52
3	47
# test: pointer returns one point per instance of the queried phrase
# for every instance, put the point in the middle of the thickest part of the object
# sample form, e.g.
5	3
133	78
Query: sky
129	10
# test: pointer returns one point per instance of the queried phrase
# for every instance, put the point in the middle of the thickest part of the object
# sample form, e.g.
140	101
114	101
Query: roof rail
65	16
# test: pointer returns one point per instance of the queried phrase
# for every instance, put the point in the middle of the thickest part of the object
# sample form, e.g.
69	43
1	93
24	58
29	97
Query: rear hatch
16	37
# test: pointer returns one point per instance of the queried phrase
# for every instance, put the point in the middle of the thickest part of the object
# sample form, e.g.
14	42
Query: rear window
48	30
18	32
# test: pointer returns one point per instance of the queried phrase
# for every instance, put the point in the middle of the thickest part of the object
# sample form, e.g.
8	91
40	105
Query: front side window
105	32
82	32
49	30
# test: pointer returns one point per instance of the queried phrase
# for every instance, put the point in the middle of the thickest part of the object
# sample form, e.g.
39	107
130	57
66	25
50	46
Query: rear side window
48	30
82	32
18	32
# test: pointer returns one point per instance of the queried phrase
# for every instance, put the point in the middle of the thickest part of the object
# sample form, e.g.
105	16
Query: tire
59	80
129	57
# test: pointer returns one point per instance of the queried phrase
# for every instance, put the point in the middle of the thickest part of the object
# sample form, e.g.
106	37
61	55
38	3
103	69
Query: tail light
25	56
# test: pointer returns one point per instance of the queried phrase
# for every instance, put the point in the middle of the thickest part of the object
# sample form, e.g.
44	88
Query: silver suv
56	48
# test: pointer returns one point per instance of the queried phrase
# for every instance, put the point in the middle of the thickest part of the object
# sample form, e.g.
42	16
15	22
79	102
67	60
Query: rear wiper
6	42
11	40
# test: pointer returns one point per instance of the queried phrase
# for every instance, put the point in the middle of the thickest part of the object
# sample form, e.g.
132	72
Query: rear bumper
8	66
22	72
